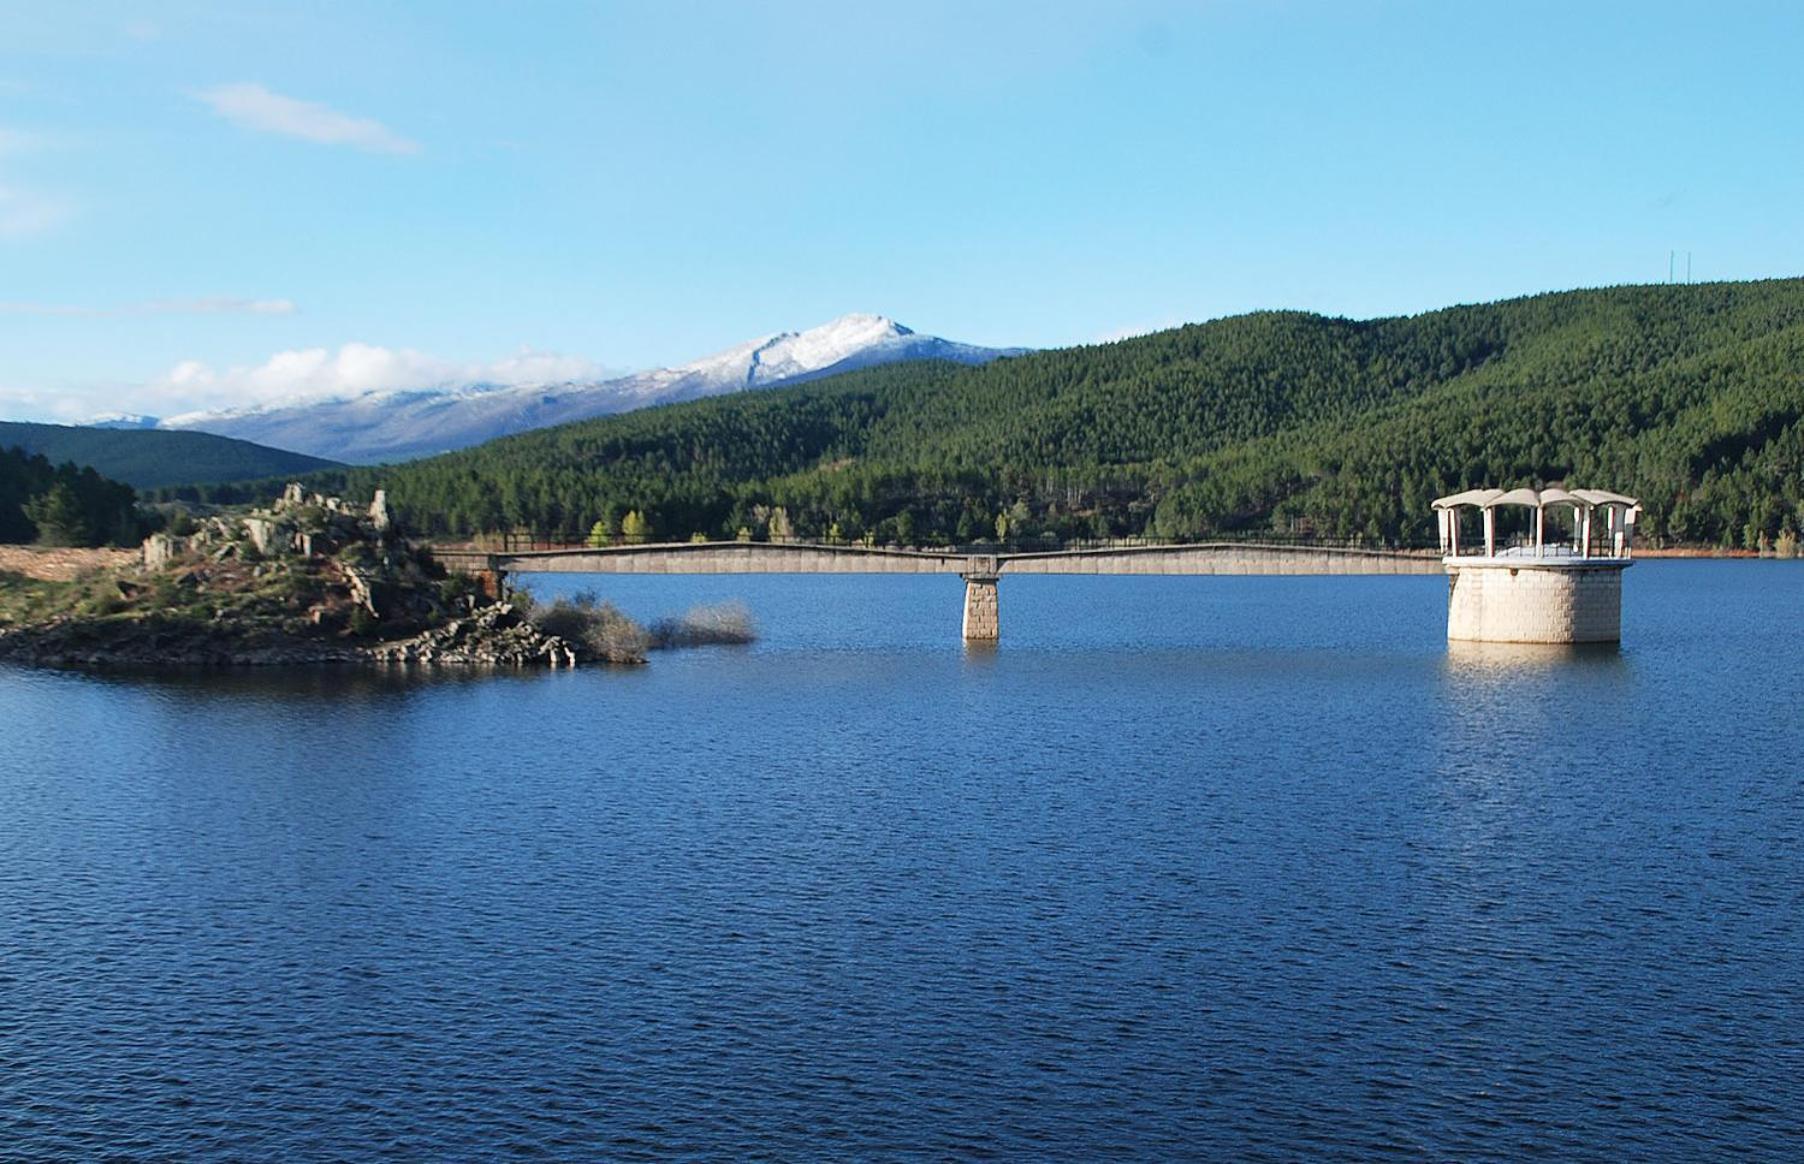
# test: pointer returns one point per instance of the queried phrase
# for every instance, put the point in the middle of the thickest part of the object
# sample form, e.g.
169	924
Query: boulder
265	533
160	549
379	512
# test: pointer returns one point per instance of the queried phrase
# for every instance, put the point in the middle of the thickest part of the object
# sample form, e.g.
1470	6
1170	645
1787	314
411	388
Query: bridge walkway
981	570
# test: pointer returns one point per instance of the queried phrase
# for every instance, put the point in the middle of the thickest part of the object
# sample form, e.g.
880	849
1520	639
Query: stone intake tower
1553	574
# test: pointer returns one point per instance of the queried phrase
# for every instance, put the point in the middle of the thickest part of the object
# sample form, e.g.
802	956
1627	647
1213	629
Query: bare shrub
598	628
726	624
562	618
615	638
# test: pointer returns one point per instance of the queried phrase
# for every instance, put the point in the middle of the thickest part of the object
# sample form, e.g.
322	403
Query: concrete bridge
981	571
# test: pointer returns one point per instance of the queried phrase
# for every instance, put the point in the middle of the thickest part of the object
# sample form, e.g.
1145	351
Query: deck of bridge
980	569
817	558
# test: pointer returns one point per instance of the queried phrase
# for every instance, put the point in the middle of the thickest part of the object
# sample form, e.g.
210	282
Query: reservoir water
1235	868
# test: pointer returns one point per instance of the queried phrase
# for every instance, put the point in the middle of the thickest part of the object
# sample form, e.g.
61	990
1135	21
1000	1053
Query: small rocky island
309	580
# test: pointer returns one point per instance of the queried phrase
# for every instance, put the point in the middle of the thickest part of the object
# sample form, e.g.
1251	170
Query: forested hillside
1688	396
147	458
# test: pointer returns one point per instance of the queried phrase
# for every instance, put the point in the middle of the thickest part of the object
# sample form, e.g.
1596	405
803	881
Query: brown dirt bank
47	564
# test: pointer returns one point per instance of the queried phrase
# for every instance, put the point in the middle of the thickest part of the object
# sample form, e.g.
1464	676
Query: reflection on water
1224	868
1471	658
981	648
277	683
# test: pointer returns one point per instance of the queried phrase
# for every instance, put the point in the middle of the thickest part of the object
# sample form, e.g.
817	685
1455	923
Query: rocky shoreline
308	582
493	637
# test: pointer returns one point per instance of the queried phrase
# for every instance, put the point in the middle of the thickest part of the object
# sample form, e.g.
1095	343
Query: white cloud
34	404
221	305
529	367
251	106
353	370
209	305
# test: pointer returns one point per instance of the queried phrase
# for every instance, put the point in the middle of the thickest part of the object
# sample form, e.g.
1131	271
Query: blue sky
206	203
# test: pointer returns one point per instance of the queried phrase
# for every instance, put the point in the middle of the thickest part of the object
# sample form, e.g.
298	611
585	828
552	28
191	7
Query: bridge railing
528	541
1241	537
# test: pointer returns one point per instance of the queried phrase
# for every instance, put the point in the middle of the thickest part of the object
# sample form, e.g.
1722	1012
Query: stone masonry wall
1218	559
983	622
1501	604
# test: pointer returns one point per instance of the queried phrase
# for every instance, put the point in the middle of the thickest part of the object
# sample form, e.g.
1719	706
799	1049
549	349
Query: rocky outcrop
494	636
306	581
299	523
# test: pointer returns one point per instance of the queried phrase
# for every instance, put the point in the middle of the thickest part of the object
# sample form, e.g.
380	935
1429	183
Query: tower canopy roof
1534	498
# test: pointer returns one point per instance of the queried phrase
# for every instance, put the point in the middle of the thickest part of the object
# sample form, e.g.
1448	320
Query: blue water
1247	868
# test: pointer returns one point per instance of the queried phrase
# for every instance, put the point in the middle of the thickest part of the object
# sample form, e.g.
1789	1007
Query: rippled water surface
1214	867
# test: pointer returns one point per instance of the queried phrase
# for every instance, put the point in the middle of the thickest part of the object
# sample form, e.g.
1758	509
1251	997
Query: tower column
983	619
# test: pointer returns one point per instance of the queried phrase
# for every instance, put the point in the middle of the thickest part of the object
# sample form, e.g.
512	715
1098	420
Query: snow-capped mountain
392	426
123	420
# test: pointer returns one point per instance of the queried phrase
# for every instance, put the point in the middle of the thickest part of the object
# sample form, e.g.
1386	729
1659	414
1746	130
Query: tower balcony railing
1602	525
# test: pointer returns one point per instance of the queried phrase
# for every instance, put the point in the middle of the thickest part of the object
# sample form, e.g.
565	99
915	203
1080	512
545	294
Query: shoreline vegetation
309	581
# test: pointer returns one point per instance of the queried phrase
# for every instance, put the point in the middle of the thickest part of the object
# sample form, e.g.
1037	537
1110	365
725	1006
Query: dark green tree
59	517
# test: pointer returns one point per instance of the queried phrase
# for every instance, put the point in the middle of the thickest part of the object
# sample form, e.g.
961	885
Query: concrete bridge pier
983	617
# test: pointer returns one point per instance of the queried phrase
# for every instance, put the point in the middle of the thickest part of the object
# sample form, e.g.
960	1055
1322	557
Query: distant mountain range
402	425
153	459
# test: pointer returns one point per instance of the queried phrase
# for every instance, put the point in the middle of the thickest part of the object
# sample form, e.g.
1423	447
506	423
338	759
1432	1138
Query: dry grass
46	564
